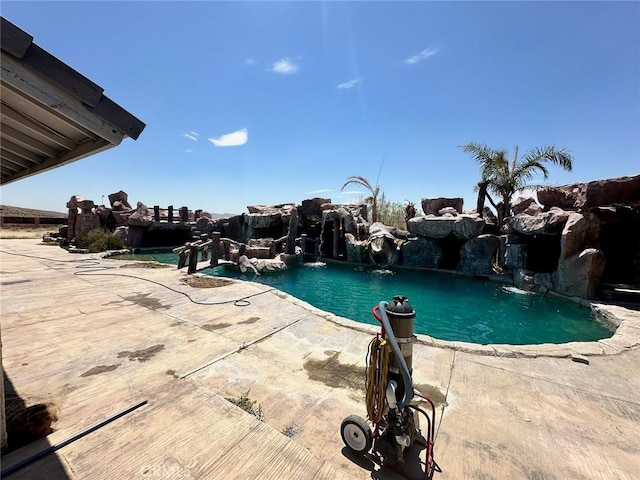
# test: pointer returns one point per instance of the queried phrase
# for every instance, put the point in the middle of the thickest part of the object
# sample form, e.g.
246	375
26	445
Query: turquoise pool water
448	307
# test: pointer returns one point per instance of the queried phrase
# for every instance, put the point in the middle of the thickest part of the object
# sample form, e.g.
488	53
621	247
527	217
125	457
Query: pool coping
625	321
625	337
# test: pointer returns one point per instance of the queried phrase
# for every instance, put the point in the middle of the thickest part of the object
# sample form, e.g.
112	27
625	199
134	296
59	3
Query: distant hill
9	211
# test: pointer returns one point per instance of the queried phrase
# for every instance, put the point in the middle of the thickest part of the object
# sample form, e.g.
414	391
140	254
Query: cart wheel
356	434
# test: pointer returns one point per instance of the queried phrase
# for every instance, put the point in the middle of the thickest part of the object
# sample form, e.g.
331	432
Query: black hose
406	376
95	266
43	453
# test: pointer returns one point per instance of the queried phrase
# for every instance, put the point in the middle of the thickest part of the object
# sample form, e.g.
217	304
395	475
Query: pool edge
625	337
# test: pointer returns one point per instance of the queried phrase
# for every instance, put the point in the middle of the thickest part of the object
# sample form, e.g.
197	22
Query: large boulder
311	210
579	232
142	217
431	227
463	227
121	218
533	209
122	200
467	227
515	256
521	204
579	275
74	202
383	247
488	216
607	192
543	282
378	227
547	223
104	213
282	209
357	251
119	206
561	197
448	211
431	206
587	195
420	252
476	255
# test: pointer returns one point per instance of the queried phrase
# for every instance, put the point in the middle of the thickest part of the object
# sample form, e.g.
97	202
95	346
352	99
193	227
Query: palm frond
359	180
549	153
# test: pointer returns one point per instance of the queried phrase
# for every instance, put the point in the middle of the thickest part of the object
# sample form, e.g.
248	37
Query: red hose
376	315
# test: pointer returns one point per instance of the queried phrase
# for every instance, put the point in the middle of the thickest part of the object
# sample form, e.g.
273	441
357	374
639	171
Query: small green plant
248	405
291	430
99	240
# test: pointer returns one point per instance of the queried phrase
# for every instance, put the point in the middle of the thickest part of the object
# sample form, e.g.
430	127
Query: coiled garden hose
378	358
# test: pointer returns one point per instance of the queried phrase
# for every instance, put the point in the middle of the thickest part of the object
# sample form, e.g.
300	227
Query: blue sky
271	102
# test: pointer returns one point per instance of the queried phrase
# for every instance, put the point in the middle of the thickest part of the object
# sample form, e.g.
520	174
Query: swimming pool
448	307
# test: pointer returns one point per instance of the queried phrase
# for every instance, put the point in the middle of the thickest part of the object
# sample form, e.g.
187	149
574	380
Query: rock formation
585	195
431	206
584	235
477	254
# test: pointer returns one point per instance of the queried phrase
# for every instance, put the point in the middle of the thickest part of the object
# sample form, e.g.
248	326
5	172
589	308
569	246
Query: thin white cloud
349	84
322	190
352	192
188	151
423	55
191	136
285	66
250	61
233	139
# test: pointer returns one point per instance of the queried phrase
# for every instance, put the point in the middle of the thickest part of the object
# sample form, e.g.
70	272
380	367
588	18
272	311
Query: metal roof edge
19	44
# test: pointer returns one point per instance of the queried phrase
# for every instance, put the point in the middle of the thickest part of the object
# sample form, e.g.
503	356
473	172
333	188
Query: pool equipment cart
393	412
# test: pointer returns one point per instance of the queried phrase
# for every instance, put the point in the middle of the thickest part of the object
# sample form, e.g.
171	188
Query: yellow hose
378	358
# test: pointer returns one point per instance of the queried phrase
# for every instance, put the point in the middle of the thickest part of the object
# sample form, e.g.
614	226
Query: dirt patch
205	282
210	327
171	373
335	374
137	257
141	355
100	369
434	393
145	265
175	324
487	450
249	321
145	300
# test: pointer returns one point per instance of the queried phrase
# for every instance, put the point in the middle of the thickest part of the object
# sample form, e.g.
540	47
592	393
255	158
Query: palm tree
409	212
505	178
371	199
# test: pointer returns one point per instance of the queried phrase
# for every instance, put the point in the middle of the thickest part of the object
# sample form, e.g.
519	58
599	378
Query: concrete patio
95	339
